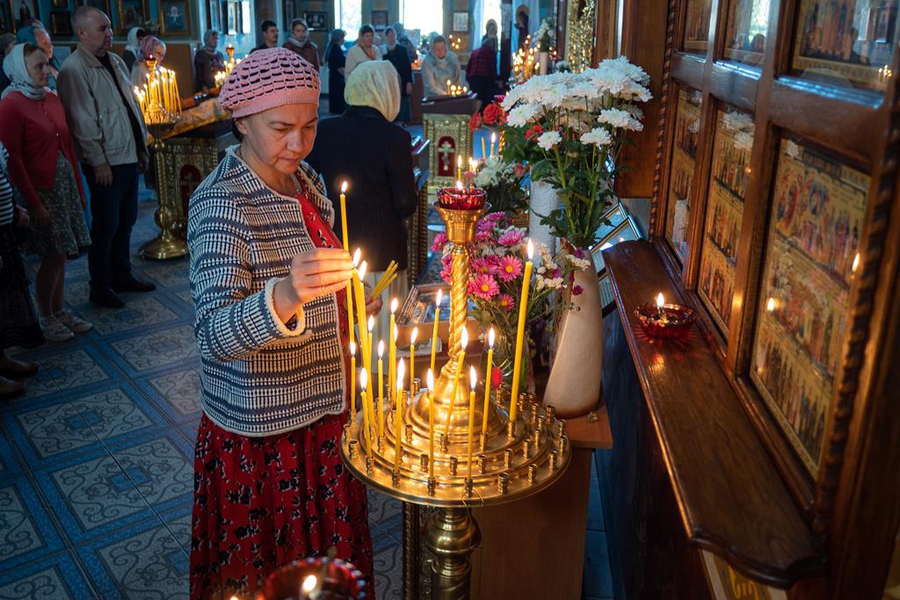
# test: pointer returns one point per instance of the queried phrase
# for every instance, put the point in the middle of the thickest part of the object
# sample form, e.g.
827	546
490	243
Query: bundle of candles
525	61
455	43
158	98
456	90
221	76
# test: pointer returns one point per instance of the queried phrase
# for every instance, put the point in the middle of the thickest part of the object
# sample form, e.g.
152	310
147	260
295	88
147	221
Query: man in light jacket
109	133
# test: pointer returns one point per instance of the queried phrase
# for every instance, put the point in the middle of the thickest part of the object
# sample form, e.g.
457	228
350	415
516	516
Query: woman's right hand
313	274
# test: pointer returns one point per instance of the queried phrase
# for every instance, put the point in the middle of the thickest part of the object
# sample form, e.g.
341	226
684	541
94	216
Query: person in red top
43	169
481	71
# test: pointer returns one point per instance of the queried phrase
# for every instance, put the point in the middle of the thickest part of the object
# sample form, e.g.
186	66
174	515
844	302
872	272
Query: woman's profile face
282	136
37	65
391	37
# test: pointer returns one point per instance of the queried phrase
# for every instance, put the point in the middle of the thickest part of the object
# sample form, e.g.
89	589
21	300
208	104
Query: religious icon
174	16
818	206
446	156
132	13
684	155
696	28
745	35
25	11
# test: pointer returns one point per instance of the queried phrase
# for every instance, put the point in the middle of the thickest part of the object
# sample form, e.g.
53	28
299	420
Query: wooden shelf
730	496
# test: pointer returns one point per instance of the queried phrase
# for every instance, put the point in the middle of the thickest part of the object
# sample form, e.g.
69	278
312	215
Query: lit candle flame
414	335
491	335
429	380
309	584
394	303
473	378
855	263
363	379
356	256
459	161
352	348
362	270
770	305
464	340
440	297
660	301
530	250
493	137
370	325
380	349
401	373
459	185
344	188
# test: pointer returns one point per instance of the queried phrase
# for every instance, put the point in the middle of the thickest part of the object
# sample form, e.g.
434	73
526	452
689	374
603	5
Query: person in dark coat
336	59
481	71
397	55
363	148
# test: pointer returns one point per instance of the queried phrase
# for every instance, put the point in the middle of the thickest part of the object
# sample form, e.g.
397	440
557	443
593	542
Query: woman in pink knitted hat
267	277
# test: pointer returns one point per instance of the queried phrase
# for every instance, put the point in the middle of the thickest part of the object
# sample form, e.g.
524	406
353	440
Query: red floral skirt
262	502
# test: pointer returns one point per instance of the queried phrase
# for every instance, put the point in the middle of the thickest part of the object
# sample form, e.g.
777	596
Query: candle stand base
451	537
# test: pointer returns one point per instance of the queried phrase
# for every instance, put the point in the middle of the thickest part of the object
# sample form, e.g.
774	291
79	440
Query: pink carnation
447	274
439	241
510	268
511	237
577	290
506	301
484	286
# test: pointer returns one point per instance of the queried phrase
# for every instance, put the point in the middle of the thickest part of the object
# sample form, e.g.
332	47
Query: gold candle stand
509	463
169	216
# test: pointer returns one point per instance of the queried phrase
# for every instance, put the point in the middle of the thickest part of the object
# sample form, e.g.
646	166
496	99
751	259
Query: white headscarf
19	78
132	43
375	84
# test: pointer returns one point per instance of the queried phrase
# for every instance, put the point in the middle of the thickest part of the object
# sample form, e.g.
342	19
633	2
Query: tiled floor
96	461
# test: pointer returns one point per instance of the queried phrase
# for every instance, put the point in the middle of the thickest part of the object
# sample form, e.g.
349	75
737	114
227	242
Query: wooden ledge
732	499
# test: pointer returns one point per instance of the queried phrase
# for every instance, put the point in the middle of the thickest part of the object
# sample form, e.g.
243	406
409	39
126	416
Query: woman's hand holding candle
313	274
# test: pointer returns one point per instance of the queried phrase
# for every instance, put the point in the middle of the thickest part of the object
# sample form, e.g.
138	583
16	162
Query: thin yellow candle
487	380
363	381
459	166
493	141
429	380
412	358
370	325
520	333
380	388
392	348
464	341
353	383
483	153
361	308
398	414
346	243
473	380
437	320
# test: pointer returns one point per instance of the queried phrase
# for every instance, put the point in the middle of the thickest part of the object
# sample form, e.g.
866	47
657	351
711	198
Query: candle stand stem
452	535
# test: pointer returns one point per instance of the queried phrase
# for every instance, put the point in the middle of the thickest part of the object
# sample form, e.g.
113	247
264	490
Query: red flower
519	170
577	290
475	122
496	377
492	114
534	132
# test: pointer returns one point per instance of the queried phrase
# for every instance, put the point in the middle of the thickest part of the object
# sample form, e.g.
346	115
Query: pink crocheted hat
269	78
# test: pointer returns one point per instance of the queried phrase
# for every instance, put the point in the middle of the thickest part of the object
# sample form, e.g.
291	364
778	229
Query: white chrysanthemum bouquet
569	128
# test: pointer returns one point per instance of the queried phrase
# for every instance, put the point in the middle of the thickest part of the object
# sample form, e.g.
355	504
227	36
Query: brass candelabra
510	460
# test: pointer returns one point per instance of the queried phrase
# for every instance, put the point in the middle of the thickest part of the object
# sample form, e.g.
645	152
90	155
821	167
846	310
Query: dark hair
438	39
296	22
268	23
141	33
31	49
235	132
366	29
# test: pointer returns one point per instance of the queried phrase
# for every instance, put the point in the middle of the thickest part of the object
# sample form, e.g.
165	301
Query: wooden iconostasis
775	208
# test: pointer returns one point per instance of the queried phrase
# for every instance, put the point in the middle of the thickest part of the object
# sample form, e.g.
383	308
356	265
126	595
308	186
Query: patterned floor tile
138	313
159	349
178	520
144	562
169	274
382	509
56	427
115	412
160	470
177	393
185	296
26	531
56	577
389	573
69	369
77	293
9	464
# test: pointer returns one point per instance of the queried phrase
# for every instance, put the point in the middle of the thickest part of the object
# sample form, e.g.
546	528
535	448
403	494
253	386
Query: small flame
356	256
473	378
362	270
459	161
530	250
491	336
770	304
459	185
660	301
401	373
309	584
352	348
464	340
344	188
363	379
440	298
429	380
855	263
394	303
370	325
493	137
414	335
380	349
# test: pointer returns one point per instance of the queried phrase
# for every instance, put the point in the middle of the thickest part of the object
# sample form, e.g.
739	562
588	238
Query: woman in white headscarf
440	69
133	46
365	148
44	170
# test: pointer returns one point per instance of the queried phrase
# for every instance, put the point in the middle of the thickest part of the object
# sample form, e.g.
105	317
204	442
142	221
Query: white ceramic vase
544	199
575	378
